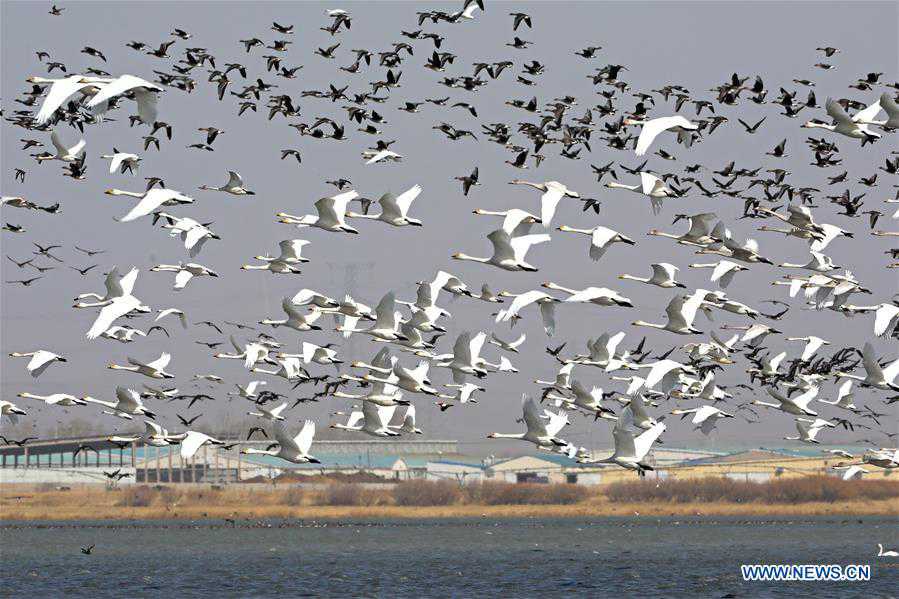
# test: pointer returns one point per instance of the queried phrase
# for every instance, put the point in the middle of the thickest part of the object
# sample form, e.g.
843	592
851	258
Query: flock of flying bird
648	384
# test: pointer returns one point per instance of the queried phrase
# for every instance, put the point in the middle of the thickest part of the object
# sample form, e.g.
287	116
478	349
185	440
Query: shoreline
595	509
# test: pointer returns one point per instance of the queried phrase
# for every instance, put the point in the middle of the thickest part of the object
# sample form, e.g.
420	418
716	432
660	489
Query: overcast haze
697	45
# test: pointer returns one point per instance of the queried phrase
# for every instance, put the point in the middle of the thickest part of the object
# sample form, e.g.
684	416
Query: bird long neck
633	278
528	183
347	428
766	404
643	323
461	256
261	451
560	288
574	230
121	192
614	185
508	435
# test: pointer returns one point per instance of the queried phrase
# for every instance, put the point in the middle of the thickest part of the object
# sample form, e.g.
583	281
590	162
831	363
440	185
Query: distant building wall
60	476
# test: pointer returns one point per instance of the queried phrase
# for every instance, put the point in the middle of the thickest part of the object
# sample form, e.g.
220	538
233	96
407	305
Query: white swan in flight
600	296
886	319
704	417
386	321
62	152
182	317
888	104
248	391
508	252
251	353
544	301
127	405
844	397
295	320
797	406
143	91
663	275
600	239
723	271
331	214
543	426
292	449
193	233
665	375
699	233
291	253
121	160
875	375
516	222
184	272
40	360
112	310
150	200
394	209
510	346
812	345
312	353
650	186
288	368
61	90
11	411
553	192
116	286
681	312
855	126
464	359
235	186
631	448
154	369
192	441
809	429
372	420
56	399
375	156
273	414
154	435
653	127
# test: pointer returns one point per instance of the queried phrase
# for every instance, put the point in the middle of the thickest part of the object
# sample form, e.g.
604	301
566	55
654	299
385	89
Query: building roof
752	455
531	462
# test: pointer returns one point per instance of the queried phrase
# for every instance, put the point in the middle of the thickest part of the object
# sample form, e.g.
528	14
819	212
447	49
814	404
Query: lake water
624	557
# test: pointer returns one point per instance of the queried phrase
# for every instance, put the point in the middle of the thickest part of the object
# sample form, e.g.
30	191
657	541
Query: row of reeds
817	488
445	493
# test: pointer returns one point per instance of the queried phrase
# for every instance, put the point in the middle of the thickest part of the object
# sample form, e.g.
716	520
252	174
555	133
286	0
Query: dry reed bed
420	499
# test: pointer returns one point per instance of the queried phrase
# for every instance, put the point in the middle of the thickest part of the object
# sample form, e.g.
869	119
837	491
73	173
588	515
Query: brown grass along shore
809	496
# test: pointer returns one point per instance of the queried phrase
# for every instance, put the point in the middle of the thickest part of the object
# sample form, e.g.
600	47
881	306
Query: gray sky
697	45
